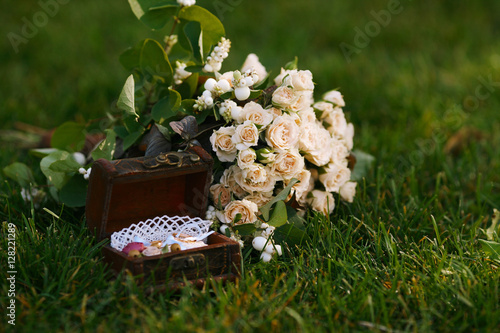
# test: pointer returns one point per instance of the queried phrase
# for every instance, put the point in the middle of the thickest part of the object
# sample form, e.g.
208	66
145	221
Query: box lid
127	191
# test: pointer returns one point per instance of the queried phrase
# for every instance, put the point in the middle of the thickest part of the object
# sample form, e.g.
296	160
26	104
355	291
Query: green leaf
155	14
294	218
211	26
121	131
21	173
228	95
245	229
280	197
290	234
164	131
131	57
364	162
166	107
106	148
126	101
67	165
255	94
294	64
42	152
188	86
263	82
131	139
491	248
194	35
132	124
74	193
69	136
279	215
194	69
154	62
57	178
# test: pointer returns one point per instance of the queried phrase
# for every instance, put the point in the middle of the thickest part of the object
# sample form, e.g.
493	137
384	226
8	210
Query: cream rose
338	124
221	194
246	208
348	191
223	144
275	112
335	97
288	164
259	198
339	152
278	80
303	186
307	115
252	63
245	135
283	133
299	80
228	179
334	177
349	136
284	97
321	201
257	115
246	158
315	140
324	108
256	178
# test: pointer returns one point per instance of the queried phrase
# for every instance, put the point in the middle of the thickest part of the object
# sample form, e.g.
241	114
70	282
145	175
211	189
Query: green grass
405	256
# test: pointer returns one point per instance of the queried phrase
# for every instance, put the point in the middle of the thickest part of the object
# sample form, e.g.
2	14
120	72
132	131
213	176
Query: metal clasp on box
173	158
187	262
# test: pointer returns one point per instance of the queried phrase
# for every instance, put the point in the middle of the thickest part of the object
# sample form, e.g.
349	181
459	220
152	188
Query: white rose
223	145
276	112
284	97
221	194
288	164
259	198
334	177
302	193
321	201
283	133
315	140
299	80
335	97
278	80
228	179
302	187
245	135
349	136
252	63
336	120
307	115
246	158
257	115
246	208
348	191
325	108
339	152
256	178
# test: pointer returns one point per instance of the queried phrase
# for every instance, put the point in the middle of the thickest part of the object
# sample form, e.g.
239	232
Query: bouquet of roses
278	152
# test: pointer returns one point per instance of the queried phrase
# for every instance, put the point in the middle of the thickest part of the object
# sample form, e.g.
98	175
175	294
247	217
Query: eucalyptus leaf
130	139
126	101
155	14
69	136
290	234
294	218
279	215
211	26
194	69
56	178
166	107
364	163
42	152
66	165
74	193
192	31
265	210
106	148
21	173
245	229
255	94
154	62
188	86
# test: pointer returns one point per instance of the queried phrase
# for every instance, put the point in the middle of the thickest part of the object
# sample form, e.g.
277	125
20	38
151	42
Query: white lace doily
159	228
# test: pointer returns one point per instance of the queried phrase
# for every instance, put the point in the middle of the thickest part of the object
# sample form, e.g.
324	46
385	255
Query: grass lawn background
404	256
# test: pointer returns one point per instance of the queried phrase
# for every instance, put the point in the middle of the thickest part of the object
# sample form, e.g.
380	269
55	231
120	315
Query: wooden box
128	191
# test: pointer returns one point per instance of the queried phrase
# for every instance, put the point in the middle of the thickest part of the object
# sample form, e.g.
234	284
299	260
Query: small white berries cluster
210	214
180	73
215	59
229	110
186	3
265	244
243	82
85	172
204	101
